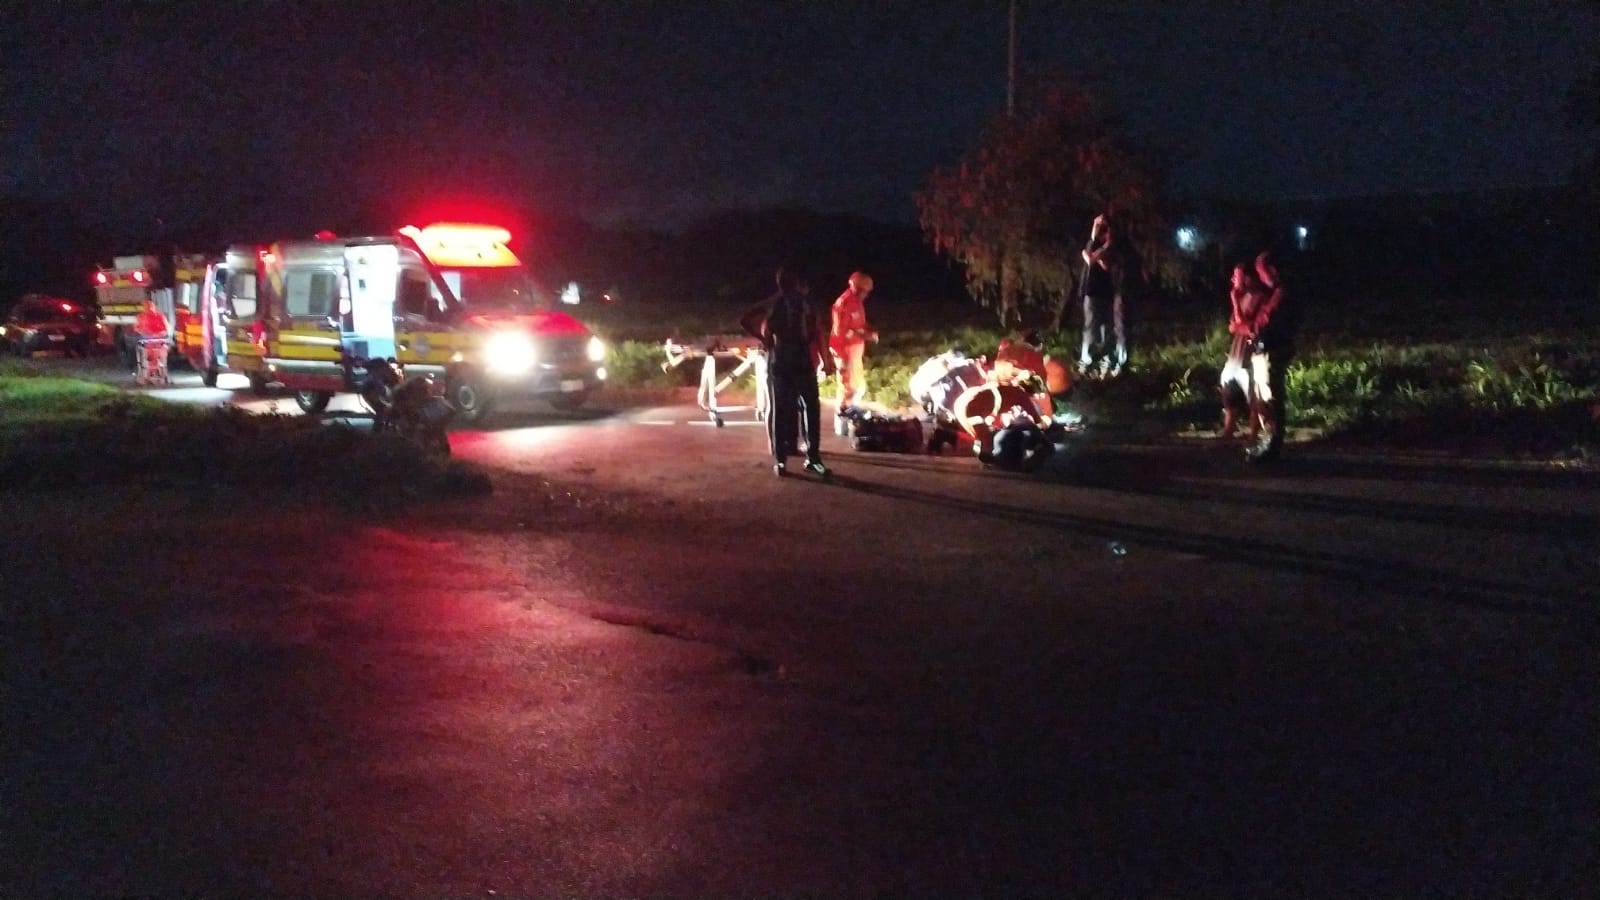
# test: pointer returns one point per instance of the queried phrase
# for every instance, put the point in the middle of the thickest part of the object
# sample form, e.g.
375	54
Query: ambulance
122	288
449	300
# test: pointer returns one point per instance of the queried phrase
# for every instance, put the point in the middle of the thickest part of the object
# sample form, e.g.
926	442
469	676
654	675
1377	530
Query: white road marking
654	422
729	424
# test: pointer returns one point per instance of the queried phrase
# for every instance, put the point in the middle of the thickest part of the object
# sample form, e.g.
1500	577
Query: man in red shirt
848	343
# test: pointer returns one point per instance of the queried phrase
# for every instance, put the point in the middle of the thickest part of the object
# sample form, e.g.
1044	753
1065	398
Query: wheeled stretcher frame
751	357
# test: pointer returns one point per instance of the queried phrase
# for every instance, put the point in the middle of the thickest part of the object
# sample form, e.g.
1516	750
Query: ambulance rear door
367	326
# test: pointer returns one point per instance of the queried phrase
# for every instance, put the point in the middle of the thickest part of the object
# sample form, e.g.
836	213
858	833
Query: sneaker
780	469
815	467
1263	450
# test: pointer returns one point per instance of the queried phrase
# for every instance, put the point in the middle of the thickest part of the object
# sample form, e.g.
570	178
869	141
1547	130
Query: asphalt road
646	666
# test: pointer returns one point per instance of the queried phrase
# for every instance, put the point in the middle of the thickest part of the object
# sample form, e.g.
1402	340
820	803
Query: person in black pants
791	331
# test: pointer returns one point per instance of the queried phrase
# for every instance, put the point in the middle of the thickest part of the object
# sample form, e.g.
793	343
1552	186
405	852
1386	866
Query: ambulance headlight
509	353
597	350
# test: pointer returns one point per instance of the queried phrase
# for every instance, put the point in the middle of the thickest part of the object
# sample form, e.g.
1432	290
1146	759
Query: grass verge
62	432
1527	395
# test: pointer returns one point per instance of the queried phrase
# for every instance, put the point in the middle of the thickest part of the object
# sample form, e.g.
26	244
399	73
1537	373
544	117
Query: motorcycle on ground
411	408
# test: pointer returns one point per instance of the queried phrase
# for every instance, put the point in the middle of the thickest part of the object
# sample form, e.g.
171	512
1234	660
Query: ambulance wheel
258	384
208	377
470	398
312	402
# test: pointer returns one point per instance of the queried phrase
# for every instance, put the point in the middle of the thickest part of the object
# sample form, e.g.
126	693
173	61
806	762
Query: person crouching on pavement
1245	297
790	330
1021	361
847	342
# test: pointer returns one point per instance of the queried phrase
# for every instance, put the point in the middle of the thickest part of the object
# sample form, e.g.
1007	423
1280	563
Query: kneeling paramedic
791	333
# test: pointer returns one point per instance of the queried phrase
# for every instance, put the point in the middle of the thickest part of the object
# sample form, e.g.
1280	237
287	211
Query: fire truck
450	300
173	282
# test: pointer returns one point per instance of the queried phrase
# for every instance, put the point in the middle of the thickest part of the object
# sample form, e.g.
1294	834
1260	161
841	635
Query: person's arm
754	320
821	353
1268	306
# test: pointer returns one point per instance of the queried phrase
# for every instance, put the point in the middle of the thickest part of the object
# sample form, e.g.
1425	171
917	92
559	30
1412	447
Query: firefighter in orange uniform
150	358
848	343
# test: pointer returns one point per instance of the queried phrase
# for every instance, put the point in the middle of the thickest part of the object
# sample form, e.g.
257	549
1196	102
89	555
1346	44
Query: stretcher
150	364
751	357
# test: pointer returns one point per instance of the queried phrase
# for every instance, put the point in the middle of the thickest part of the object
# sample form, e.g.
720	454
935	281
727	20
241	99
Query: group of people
798	349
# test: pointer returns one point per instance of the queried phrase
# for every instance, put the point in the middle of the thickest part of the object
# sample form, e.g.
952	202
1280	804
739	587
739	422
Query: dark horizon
283	117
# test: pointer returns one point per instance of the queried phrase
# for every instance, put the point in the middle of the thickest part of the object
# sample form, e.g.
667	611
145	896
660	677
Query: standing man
1271	352
1103	269
848	344
790	330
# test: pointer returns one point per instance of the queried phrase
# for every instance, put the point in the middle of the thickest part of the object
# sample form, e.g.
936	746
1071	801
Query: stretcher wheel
716	419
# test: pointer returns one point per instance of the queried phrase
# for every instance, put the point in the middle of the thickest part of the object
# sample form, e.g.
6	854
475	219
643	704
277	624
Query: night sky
294	115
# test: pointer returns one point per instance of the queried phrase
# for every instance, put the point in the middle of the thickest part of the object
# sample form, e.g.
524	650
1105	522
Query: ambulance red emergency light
120	291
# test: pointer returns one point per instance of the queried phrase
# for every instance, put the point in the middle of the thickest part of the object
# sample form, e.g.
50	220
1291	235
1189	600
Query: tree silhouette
1015	211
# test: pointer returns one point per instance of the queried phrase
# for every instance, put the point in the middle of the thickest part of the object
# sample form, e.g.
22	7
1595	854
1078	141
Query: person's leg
1235	389
849	363
1263	406
811	411
852	381
1084	358
1120	333
1277	374
781	421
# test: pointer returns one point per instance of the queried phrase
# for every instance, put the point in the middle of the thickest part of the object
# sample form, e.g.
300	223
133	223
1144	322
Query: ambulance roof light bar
463	244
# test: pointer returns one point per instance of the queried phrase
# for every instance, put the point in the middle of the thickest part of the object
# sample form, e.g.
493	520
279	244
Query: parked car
38	322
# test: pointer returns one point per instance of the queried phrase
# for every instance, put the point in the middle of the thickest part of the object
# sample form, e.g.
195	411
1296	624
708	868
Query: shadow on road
1106	471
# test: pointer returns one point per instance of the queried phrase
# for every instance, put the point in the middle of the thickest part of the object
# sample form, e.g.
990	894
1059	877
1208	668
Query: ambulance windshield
501	289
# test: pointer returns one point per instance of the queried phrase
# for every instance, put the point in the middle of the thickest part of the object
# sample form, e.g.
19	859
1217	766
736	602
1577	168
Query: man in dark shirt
1102	289
791	331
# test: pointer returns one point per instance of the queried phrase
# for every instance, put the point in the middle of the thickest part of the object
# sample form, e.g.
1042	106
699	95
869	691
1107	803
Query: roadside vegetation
62	432
1534	395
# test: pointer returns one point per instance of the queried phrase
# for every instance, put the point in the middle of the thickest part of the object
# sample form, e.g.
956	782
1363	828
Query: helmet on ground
861	281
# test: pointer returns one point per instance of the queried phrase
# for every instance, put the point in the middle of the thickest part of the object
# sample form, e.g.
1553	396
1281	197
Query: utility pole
1011	65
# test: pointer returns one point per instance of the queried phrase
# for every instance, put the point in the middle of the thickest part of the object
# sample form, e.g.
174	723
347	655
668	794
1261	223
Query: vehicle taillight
101	278
138	278
66	307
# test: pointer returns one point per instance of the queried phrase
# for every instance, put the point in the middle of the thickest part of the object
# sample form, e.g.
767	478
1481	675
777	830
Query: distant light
569	295
600	373
1302	232
1188	239
66	307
